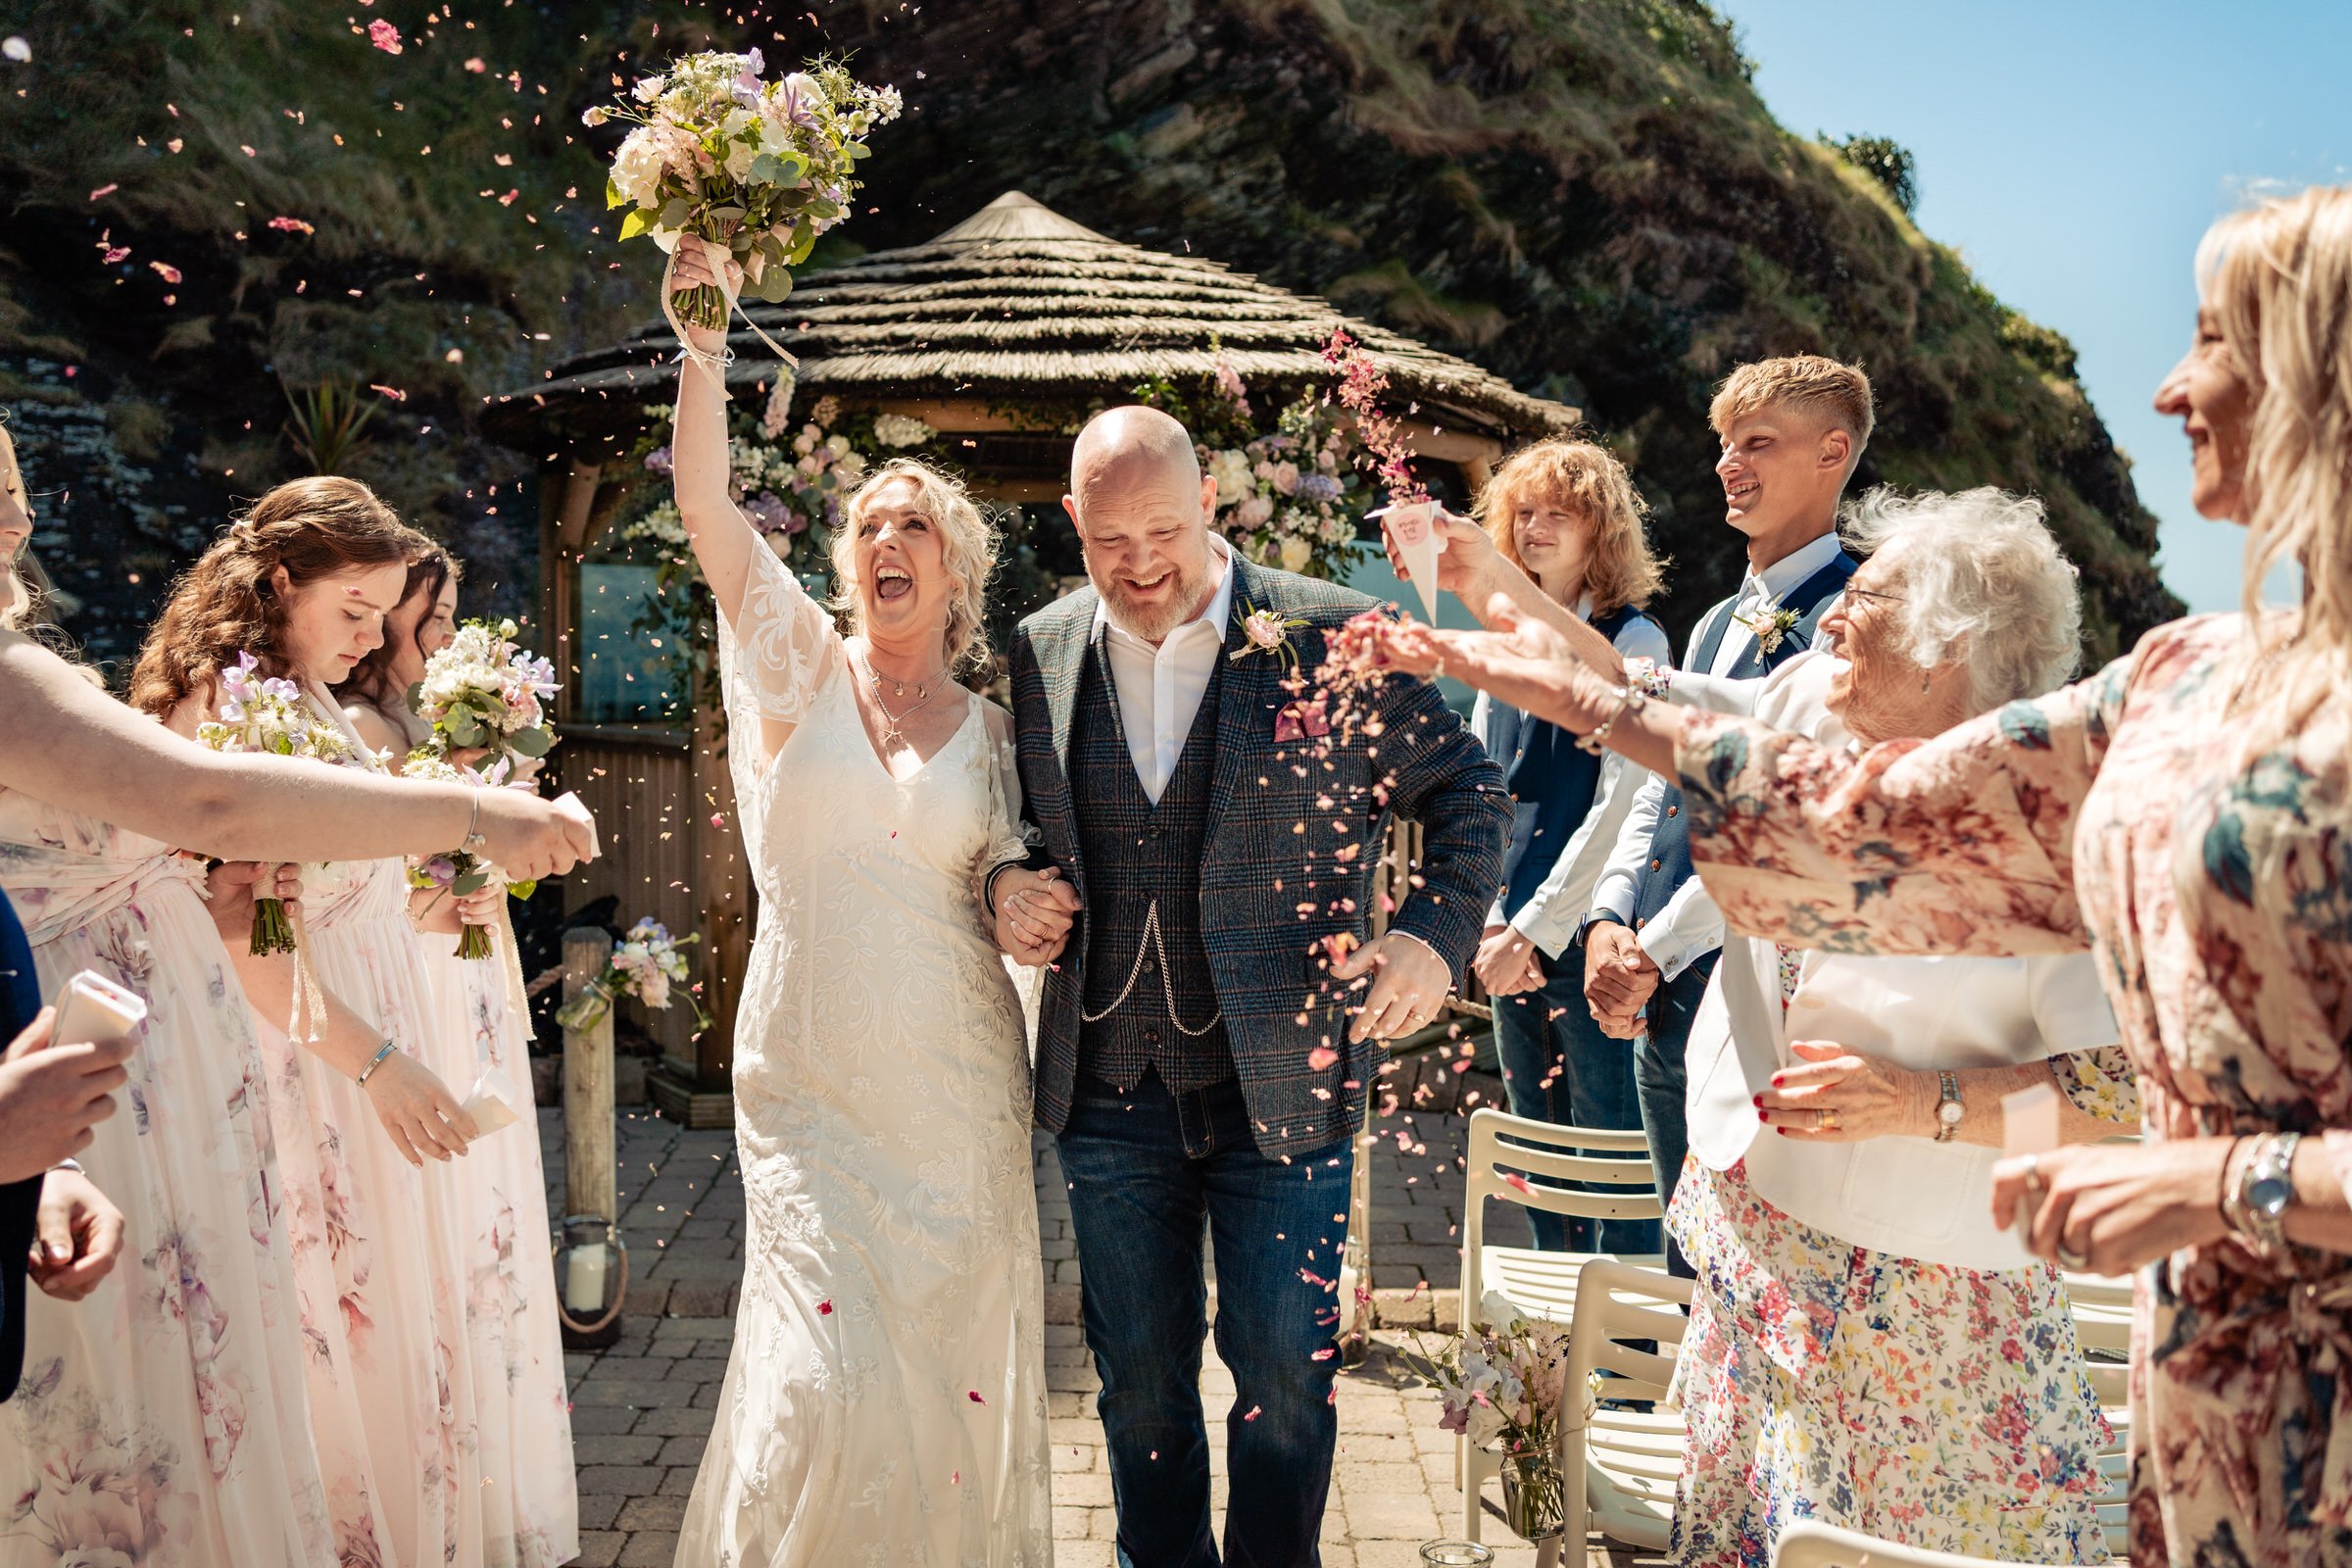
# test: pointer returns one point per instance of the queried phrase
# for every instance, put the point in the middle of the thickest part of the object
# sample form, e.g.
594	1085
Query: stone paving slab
642	1409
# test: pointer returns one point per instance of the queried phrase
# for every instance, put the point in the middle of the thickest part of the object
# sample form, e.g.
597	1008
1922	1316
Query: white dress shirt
1690	926
1551	916
1160	689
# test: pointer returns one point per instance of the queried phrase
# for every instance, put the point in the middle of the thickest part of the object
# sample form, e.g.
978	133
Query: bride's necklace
892	737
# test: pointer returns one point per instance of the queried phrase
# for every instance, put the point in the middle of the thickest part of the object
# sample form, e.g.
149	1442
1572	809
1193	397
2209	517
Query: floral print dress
163	1421
379	1244
1937	1406
530	1511
2216	893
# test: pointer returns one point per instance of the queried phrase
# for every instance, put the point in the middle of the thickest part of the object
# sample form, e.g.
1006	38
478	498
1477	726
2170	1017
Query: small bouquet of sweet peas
269	713
461	872
1503	1380
646	964
761	168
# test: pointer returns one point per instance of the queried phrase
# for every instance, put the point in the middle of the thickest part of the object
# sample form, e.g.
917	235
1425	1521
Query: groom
1207	1037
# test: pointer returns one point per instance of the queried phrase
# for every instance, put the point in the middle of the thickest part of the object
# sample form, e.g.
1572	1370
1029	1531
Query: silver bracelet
374	1063
1632	700
474	822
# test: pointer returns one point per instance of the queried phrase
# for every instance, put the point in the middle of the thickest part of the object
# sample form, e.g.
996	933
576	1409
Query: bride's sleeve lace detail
775	656
1009	837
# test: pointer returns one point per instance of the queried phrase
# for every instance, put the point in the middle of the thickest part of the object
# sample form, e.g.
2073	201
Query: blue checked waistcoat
1669	864
1288	845
1150	1001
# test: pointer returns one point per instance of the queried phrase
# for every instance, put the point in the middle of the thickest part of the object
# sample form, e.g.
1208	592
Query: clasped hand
1035	911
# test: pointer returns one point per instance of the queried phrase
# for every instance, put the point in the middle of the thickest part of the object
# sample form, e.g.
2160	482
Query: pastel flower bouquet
461	873
269	713
1503	1378
644	966
761	168
481	693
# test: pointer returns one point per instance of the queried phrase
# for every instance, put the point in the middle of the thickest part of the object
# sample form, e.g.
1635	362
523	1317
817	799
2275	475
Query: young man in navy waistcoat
1792	431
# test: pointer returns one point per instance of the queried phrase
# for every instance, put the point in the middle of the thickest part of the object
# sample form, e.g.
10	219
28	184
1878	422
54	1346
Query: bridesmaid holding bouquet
531	1515
304	583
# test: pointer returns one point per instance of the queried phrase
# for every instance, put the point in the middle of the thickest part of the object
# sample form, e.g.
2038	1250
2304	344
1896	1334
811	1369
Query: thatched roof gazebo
1020	305
1000	335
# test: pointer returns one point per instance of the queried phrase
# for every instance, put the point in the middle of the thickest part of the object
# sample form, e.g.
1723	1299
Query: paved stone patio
643	1408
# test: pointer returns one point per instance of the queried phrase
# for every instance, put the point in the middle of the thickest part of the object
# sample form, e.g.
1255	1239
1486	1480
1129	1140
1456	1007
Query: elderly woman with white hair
1866	1347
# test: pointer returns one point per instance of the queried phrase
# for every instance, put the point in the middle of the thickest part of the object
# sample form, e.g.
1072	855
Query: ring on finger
2034	1181
2069	1258
1825	1120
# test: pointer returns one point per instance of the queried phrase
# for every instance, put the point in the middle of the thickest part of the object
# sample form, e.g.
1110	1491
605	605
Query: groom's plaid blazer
1288	853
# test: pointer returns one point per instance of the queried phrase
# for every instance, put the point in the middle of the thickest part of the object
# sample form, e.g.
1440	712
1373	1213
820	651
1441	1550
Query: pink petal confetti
1321	1058
105	190
824	1308
508	200
476	64
384	36
1254	1413
392	392
292	225
973	1395
15	48
1514	1179
166	270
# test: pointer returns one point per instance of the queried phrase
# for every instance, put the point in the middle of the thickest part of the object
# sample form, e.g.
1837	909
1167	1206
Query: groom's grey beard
1154	623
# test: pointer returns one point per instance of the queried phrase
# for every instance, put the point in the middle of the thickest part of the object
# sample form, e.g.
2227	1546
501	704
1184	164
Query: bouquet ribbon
712	361
310	1000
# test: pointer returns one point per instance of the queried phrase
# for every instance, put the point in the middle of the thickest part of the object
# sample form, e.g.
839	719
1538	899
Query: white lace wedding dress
885	1397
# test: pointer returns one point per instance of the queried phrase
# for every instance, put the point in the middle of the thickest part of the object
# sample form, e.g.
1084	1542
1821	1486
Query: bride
885	1397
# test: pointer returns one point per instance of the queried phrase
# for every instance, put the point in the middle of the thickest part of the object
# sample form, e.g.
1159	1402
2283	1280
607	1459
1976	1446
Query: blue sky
2073	152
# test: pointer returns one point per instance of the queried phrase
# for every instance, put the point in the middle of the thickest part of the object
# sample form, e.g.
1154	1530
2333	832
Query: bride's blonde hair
968	544
2277	278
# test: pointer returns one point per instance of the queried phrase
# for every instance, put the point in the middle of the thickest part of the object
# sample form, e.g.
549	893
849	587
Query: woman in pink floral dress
2187	816
530	1515
304	582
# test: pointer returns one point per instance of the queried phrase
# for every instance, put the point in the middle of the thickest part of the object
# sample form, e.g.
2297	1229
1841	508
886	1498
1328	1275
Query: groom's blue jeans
1147	1169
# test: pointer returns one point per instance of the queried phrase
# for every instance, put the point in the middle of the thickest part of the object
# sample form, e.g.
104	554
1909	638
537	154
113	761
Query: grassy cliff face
1584	195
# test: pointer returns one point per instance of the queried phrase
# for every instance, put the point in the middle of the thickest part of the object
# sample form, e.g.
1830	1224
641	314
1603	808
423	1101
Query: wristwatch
1948	1109
2266	1190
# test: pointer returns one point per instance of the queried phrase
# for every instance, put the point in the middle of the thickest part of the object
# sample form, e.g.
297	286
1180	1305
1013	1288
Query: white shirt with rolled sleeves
1690	926
1552	914
1910	1196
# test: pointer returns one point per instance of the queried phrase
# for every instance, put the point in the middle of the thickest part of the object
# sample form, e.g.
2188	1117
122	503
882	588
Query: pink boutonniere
1265	632
1301	720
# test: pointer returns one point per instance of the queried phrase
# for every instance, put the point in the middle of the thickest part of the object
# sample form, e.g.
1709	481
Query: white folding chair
1540	1284
1806	1544
1621	1466
2102	1310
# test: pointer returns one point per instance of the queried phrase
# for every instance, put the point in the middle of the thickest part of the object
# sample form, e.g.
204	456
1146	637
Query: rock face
1584	196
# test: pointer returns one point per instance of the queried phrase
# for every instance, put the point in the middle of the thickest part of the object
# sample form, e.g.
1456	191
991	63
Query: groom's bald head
1133	444
1143	509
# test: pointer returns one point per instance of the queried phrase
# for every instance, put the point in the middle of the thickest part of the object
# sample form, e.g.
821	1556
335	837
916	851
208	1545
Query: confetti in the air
384	36
293	225
16	49
166	270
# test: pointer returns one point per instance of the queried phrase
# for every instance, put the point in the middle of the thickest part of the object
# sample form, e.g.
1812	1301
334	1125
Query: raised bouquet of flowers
645	965
267	713
761	168
1501	1379
483	692
461	872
